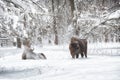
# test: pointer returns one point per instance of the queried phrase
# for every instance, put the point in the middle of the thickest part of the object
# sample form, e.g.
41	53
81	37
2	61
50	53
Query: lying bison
29	54
78	46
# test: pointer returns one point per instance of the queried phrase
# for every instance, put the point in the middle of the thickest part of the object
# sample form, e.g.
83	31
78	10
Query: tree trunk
18	42
56	40
72	7
74	17
55	23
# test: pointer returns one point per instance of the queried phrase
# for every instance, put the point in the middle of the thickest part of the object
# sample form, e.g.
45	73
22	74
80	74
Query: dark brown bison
78	46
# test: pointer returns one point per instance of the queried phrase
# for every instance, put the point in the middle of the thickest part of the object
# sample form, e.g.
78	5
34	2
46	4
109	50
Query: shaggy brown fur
78	46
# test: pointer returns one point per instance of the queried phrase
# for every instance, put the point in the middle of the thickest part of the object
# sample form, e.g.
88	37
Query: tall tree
72	5
74	13
55	20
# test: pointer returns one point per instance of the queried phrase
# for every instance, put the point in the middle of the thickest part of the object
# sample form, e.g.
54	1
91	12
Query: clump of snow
114	15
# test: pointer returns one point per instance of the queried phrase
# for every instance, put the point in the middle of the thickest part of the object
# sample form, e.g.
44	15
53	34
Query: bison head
75	45
75	42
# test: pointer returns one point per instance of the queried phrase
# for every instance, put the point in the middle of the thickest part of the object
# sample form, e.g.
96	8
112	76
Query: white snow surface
58	66
114	15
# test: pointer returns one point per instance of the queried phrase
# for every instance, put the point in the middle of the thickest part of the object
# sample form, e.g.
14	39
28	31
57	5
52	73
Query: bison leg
82	54
73	56
77	55
86	53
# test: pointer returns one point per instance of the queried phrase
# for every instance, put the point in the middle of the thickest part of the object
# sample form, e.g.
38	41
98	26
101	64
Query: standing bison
78	46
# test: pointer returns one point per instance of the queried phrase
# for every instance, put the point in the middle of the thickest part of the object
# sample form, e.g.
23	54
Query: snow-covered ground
59	65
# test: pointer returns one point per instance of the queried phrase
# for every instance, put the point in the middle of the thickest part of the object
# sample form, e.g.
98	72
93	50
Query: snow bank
111	49
59	65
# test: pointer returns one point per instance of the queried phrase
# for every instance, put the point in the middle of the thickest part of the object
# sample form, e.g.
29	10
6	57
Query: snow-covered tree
56	21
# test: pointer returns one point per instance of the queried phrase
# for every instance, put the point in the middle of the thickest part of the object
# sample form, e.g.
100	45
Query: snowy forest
56	21
42	30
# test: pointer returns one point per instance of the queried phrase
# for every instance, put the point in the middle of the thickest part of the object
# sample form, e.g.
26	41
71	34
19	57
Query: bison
78	46
29	54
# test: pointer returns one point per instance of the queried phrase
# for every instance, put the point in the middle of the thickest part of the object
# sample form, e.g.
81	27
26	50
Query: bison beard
78	46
